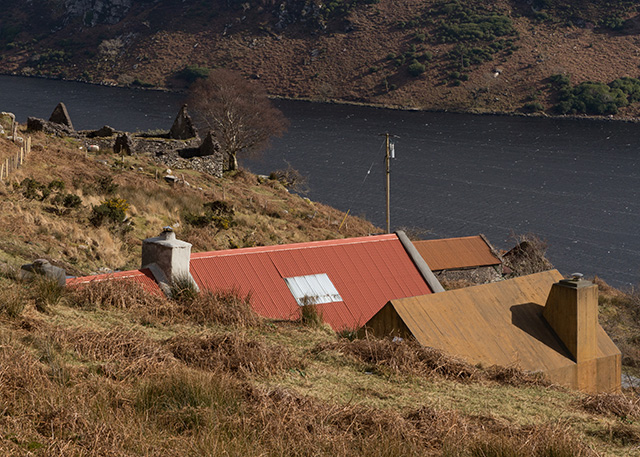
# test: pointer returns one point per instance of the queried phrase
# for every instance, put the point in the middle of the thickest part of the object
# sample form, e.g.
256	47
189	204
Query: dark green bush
191	73
534	107
416	68
461	21
560	80
56	185
613	22
112	210
217	213
71	201
34	190
629	86
591	98
105	185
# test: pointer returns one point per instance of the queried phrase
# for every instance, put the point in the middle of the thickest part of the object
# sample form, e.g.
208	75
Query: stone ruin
180	148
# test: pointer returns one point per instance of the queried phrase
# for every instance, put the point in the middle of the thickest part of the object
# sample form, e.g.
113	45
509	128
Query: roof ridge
294	246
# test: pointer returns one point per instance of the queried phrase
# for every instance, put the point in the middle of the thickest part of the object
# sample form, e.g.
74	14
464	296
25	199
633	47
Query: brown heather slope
153	43
265	213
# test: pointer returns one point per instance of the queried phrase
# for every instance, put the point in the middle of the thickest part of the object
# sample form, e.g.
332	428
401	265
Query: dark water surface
574	183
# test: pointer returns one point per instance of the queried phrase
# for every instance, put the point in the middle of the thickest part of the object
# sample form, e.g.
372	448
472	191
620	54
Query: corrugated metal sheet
455	253
366	272
144	277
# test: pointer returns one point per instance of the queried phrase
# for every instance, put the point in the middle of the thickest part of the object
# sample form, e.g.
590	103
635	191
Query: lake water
574	183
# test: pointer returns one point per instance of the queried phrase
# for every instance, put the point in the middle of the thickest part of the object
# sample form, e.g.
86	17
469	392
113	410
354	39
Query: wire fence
15	161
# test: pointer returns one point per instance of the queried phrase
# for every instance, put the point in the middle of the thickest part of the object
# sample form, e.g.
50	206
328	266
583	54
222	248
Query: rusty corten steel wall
143	277
366	271
500	324
454	253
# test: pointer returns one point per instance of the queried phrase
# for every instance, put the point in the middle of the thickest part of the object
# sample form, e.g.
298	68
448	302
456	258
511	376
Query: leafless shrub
535	441
310	315
291	178
619	434
12	301
516	377
528	256
230	352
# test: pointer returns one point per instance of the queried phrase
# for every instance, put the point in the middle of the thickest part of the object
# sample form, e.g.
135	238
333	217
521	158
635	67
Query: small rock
171	179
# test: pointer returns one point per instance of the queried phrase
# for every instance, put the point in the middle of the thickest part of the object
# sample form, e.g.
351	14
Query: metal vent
313	289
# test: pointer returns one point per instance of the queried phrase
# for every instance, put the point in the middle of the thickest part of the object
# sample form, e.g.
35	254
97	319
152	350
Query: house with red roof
349	280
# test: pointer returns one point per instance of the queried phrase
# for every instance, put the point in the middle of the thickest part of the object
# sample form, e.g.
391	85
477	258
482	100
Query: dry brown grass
223	308
266	213
120	353
607	403
231	352
122	294
407	357
538	441
619	315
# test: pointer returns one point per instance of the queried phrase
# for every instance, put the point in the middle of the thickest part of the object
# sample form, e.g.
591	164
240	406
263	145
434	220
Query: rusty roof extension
143	277
456	253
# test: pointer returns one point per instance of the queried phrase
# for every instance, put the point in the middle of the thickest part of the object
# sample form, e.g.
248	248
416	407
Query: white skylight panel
313	289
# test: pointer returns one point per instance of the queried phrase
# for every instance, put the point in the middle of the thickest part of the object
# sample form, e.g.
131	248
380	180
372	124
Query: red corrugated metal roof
143	277
455	253
367	272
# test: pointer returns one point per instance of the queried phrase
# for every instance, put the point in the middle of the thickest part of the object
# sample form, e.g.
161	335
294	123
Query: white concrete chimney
168	259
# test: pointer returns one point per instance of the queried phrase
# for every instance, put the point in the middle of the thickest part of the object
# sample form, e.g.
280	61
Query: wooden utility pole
387	160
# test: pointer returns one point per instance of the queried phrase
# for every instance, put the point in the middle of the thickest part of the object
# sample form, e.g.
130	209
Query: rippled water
574	183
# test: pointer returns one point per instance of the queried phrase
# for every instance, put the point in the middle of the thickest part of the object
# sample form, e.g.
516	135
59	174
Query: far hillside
473	56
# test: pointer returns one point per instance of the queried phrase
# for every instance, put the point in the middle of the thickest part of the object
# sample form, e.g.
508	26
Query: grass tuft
47	293
607	403
222	308
311	316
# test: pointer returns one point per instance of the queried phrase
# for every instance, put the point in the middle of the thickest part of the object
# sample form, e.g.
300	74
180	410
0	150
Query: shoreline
610	118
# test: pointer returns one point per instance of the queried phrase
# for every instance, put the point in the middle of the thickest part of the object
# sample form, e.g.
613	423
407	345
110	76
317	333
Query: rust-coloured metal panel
455	253
367	272
500	324
143	277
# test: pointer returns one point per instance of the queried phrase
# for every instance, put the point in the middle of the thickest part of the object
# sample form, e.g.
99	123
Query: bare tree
237	111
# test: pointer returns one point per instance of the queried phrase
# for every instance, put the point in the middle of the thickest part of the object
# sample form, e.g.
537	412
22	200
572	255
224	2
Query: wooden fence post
21	156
